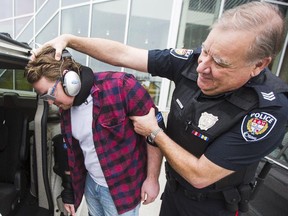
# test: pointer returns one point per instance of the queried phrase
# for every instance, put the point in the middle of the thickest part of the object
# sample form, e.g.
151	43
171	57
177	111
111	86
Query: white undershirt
81	120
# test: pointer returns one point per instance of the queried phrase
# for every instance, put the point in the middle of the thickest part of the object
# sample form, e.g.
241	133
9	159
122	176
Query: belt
202	196
174	185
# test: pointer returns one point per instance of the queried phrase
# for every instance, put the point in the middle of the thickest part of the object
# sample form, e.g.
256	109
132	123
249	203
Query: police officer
227	111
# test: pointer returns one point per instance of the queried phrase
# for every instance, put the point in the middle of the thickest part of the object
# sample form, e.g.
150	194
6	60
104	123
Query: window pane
71	2
6	79
7	27
108	21
149	29
202	6
75	21
197	17
46	13
281	152
27	34
21	82
23	7
234	3
284	67
8	11
39	3
20	23
49	32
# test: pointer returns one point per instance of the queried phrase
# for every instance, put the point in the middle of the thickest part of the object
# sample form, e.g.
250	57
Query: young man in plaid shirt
107	159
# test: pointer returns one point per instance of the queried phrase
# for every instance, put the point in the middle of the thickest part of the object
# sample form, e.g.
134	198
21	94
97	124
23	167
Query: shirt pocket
111	131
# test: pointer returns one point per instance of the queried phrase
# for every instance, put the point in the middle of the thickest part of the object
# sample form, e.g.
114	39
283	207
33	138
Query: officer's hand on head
58	43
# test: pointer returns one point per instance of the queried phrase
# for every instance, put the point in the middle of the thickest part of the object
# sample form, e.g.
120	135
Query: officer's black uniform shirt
236	148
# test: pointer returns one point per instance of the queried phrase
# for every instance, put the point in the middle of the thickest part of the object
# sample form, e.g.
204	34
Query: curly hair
45	65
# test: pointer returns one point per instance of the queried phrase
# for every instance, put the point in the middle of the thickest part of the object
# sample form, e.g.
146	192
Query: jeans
99	201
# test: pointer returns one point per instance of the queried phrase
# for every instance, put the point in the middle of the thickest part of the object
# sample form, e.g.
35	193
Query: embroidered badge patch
256	126
181	53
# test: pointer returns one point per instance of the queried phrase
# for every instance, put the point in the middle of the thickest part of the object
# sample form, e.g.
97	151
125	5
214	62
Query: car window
14	56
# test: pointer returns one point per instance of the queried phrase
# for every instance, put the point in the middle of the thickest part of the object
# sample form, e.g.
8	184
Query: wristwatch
150	139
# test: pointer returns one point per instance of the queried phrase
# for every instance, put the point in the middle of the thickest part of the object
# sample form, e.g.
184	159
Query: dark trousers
175	202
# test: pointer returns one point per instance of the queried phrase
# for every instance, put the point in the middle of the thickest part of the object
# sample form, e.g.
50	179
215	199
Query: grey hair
264	19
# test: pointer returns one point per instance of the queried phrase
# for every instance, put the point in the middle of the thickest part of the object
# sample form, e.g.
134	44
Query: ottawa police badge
206	121
256	126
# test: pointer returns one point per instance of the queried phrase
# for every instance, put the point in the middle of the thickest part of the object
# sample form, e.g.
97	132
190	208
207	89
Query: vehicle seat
13	154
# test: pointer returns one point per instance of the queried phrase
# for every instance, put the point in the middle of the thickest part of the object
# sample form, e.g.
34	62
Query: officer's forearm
111	52
199	172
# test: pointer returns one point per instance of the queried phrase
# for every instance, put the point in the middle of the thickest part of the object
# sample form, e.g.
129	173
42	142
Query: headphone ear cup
71	83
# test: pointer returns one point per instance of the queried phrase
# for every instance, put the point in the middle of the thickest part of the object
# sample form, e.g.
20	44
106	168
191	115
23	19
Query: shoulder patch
181	53
256	126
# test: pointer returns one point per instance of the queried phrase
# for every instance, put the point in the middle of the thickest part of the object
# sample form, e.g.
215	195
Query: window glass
71	2
284	68
20	23
27	34
282	57
6	79
281	152
21	82
23	7
234	3
39	3
45	14
108	21
196	18
6	9
204	6
75	21
49	32
7	27
149	29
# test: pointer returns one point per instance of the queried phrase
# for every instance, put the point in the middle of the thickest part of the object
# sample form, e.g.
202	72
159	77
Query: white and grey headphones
71	81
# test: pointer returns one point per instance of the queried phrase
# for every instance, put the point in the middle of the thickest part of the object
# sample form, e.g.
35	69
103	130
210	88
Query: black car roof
13	54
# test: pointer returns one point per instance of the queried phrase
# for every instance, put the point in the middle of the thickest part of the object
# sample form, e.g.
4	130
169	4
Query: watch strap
153	134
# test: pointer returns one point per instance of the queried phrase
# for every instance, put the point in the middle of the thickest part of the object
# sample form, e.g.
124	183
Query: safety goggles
50	95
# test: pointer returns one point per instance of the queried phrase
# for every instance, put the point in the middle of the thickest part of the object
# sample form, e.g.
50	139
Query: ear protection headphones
71	81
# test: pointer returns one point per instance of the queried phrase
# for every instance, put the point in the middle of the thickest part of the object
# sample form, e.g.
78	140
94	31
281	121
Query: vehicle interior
29	130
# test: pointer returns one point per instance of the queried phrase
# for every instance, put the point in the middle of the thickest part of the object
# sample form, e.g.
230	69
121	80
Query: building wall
145	24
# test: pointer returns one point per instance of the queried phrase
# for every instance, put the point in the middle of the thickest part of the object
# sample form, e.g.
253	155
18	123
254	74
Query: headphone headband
66	53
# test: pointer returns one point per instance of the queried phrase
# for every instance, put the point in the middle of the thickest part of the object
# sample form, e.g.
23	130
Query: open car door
28	185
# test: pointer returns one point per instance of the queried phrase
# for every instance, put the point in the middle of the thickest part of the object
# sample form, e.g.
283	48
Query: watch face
149	139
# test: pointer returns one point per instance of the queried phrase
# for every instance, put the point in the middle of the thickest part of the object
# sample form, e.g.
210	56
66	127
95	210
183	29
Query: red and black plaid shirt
122	152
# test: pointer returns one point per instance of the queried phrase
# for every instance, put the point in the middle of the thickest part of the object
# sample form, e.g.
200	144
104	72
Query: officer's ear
260	65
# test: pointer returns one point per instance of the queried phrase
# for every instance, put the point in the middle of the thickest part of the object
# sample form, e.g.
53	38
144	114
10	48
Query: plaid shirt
122	152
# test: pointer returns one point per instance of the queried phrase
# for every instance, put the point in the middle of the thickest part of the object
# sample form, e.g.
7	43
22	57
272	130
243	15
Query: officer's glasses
50	95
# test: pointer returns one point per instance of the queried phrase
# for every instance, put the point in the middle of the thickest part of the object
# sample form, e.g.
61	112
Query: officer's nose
204	64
